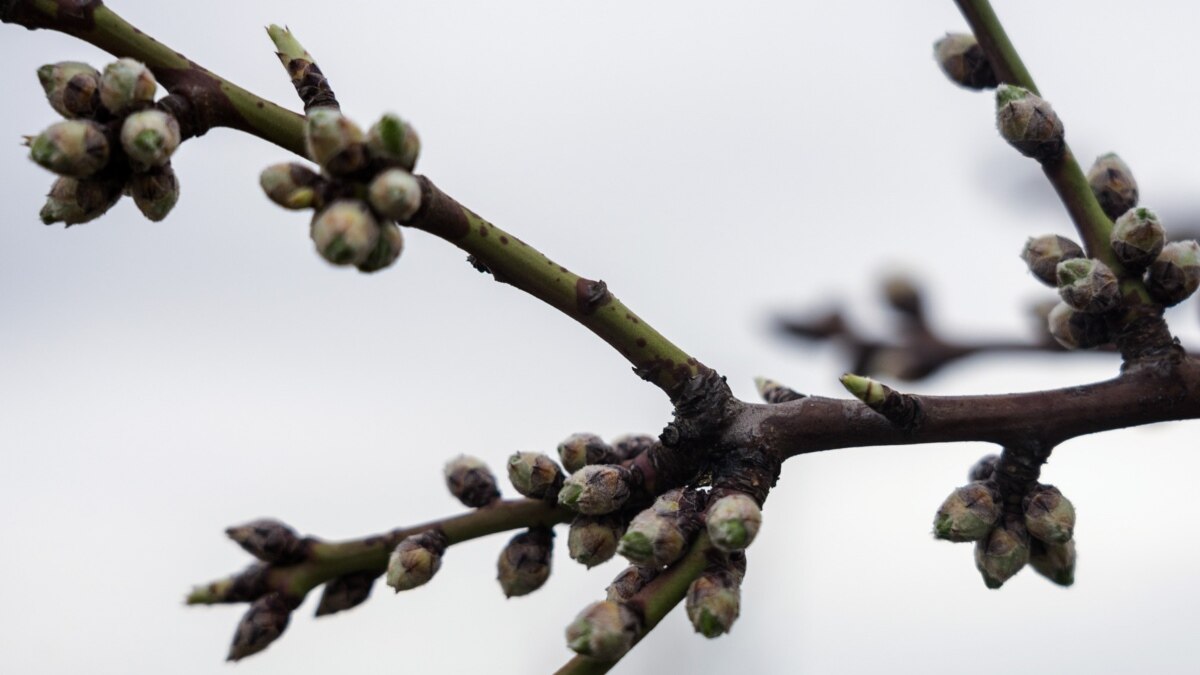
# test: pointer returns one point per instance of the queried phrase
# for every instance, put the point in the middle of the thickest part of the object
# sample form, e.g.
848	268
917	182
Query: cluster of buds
113	141
1037	529
580	450
365	187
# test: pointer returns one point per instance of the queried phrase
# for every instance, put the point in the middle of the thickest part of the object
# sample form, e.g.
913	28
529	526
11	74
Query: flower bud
75	148
1028	123
72	88
902	295
126	83
1138	238
268	540
149	137
1002	553
604	631
1049	515
261	625
1113	184
393	140
524	564
655	536
579	450
345	233
416	560
534	475
774	392
1056	562
631	580
983	469
73	201
733	521
1088	285
1175	273
395	194
1043	254
1076	330
345	592
387	250
967	514
629	446
334	142
596	489
713	601
962	60
471	481
593	540
155	192
290	185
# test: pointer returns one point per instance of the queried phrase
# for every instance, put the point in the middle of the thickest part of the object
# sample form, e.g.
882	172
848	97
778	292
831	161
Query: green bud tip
713	603
968	514
393	140
733	521
75	148
535	475
1049	515
150	137
636	546
1088	285
864	389
596	489
345	233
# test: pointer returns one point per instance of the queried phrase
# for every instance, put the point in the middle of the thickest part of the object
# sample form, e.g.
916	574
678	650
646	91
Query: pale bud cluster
365	189
113	142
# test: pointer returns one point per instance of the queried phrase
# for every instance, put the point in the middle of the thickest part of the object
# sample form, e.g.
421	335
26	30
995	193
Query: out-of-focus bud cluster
365	188
471	481
962	60
268	540
113	141
1038	529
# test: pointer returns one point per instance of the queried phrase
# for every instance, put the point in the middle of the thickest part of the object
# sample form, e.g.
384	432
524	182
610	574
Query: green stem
656	599
218	102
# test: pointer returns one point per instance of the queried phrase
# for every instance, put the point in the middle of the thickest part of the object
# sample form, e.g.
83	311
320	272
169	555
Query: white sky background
714	163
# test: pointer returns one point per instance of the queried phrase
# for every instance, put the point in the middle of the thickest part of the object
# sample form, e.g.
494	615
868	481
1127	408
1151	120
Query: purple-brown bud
261	625
1138	238
1088	285
597	489
659	535
1056	562
471	481
629	446
581	449
962	60
268	540
534	475
1076	330
155	192
1028	123
1113	184
604	631
345	592
1002	553
524	564
593	540
631	580
74	201
983	469
1049	515
416	560
1175	273
72	88
1043	254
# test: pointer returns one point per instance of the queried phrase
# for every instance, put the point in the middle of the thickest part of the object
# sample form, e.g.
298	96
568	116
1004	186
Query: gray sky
714	163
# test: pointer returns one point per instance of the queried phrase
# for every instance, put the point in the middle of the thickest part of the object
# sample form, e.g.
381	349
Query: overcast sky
715	163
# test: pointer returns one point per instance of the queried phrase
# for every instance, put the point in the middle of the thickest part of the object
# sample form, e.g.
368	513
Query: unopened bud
774	392
604	631
1028	123
334	142
733	521
1002	553
1076	330
149	137
579	450
1049	515
155	192
387	249
72	88
593	540
74	201
659	535
345	233
290	185
631	580
1138	238
629	446
345	592
395	194
268	540
415	560
126	84
983	469
393	140
1056	562
471	481
1043	254
75	148
963	61
1175	273
1088	285
524	564
967	514
713	601
903	295
261	625
534	475
596	489
1113	184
